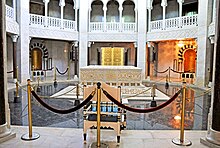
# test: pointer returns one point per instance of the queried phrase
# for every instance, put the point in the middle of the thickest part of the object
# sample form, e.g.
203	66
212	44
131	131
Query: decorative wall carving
53	34
12	26
169	35
122	37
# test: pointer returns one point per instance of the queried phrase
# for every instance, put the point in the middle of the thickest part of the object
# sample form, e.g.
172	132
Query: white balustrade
96	26
9	12
156	25
51	22
173	23
129	27
189	20
67	24
37	20
112	26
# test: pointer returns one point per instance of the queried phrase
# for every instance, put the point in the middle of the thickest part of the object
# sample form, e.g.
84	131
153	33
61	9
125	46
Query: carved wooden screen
113	56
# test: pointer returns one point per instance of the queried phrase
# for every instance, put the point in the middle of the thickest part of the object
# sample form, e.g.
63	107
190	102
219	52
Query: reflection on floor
73	138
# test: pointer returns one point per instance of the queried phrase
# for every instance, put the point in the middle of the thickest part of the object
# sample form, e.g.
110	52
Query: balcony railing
172	23
51	22
9	12
112	27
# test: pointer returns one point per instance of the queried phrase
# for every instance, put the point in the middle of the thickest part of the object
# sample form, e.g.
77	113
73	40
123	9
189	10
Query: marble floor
73	137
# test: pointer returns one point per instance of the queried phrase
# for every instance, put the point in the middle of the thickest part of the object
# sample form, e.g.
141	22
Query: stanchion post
55	74
98	113
77	102
153	92
30	135
169	74
68	72
182	141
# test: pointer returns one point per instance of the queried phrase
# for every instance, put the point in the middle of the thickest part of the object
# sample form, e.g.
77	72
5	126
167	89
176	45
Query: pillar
76	18
136	18
164	5
89	46
213	134
76	58
105	16
5	132
89	18
204	20
14	7
135	52
141	36
14	40
126	57
149	8
83	34
46	12
61	4
98	56
148	60
212	40
23	42
180	11
120	17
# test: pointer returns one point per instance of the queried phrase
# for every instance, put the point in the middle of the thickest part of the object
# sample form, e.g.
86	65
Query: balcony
174	23
11	24
112	27
40	21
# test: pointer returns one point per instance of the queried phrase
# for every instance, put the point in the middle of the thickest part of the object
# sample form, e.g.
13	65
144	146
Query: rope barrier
161	71
22	87
10	71
58	95
63	111
146	110
138	93
62	73
180	72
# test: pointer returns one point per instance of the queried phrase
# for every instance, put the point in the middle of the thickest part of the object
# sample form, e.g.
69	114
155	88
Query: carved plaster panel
122	37
174	34
12	26
53	34
211	29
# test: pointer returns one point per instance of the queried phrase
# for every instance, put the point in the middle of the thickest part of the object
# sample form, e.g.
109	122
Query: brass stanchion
30	135
98	143
16	83
182	141
77	102
169	74
153	92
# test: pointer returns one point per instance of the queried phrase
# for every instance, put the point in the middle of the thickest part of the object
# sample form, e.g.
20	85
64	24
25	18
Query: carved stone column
62	5
135	60
76	17
98	56
14	40
105	17
76	58
5	132
126	57
180	11
149	8
120	17
46	12
164	5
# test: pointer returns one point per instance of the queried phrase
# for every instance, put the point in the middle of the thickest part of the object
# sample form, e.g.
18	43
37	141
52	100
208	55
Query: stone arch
183	49
40	46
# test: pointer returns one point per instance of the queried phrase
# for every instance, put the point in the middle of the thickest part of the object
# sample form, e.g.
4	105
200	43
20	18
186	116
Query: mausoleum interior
109	73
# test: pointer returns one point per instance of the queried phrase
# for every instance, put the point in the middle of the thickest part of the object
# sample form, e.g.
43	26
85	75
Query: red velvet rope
138	110
63	111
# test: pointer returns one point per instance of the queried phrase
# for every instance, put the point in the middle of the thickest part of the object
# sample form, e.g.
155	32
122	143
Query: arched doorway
36	60
190	61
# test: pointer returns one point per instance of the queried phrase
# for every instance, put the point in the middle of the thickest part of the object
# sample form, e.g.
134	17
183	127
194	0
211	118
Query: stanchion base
184	143
27	138
102	145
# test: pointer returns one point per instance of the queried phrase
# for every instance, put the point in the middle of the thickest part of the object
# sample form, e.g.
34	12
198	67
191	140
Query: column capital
14	38
180	1
46	1
76	43
135	44
62	3
164	3
212	39
89	44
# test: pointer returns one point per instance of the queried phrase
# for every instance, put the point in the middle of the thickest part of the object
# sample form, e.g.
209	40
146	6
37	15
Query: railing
37	20
51	22
9	12
172	23
97	26
130	27
112	27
